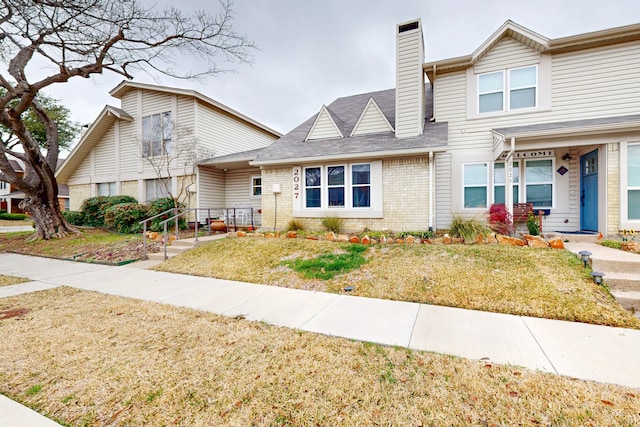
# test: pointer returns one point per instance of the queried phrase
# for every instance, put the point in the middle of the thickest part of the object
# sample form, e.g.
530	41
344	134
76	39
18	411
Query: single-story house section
522	119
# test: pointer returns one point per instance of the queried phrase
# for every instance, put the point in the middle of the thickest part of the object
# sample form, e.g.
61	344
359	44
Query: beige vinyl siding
508	53
409	84
324	127
129	148
211	188
219	134
372	121
129	102
443	190
83	172
105	154
155	102
238	191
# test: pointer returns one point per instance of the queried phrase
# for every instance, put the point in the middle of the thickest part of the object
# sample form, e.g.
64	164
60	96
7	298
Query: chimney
409	79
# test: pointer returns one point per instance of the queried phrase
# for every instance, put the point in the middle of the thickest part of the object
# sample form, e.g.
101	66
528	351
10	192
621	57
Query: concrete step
629	300
623	281
621	265
573	238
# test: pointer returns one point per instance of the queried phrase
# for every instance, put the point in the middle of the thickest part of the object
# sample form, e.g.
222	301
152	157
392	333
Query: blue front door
589	191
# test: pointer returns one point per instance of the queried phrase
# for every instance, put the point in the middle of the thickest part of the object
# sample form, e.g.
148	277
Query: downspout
431	190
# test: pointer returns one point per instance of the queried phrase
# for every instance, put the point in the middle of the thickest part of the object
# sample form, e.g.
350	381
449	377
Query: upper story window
156	134
508	90
3	185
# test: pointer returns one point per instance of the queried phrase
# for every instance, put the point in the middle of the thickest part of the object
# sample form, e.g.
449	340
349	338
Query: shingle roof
348	109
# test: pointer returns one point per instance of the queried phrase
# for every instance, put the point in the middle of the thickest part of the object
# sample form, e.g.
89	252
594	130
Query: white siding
409	84
443	190
324	127
238	190
83	171
155	102
105	154
129	151
211	184
371	121
508	53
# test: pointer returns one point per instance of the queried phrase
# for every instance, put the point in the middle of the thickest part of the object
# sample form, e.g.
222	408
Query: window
342	186
107	189
156	135
499	182
633	181
3	185
361	185
508	90
157	188
66	204
475	185
538	176
256	186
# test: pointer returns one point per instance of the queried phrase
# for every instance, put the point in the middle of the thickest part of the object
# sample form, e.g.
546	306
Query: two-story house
523	119
165	141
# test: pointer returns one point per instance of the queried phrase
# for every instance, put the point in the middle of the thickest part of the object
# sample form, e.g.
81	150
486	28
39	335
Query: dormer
372	120
327	125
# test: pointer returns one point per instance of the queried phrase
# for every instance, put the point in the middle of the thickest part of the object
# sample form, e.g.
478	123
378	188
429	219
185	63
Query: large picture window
475	185
633	181
338	186
156	135
508	90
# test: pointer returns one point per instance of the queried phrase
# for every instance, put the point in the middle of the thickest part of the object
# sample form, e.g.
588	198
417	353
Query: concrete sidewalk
589	352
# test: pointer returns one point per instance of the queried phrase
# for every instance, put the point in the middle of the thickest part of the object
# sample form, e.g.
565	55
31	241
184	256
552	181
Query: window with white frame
156	134
508	90
475	185
157	188
256	186
633	181
499	182
338	186
107	189
538	182
3	185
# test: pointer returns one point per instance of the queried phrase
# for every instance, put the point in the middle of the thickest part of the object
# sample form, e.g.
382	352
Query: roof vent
408	27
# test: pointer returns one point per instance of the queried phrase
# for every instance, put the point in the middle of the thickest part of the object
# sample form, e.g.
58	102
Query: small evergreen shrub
125	217
332	223
295	225
13	217
419	234
74	217
159	206
3	211
467	228
500	220
93	208
532	224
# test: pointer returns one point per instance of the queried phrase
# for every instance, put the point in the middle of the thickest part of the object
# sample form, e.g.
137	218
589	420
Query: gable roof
89	140
326	125
293	147
536	42
125	86
372	117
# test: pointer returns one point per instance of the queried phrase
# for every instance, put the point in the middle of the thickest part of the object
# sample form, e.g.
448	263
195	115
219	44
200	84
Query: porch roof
598	125
232	161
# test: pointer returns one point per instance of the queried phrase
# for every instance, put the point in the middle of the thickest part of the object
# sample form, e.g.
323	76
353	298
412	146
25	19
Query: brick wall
77	194
613	188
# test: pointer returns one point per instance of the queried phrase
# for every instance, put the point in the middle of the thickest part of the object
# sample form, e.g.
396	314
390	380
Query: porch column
508	179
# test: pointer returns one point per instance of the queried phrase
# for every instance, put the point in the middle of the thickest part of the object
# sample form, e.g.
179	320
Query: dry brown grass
89	359
11	280
14	223
521	281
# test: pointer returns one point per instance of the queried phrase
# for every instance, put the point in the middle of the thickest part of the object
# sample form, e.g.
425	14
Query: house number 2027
297	176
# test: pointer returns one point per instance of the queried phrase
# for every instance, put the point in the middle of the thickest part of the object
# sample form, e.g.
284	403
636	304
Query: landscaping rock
410	240
491	239
479	239
241	233
446	239
458	240
330	237
354	239
312	237
535	241
366	240
342	238
630	247
400	241
292	234
266	235
383	239
556	244
510	241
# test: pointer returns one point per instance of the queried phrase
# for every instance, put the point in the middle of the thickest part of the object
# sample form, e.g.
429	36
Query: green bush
332	223
159	206
125	217
295	225
467	228
420	234
12	217
3	211
93	208
532	224
74	217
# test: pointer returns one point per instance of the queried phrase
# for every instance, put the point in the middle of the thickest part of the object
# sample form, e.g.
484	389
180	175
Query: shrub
332	223
295	225
93	208
500	220
12	217
532	224
3	211
159	206
467	228
125	217
74	217
420	234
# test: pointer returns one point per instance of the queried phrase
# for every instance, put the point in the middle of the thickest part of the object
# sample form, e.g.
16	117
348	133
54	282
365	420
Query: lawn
11	280
522	281
88	359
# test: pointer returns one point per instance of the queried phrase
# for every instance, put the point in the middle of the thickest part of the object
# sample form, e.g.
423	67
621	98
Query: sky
311	52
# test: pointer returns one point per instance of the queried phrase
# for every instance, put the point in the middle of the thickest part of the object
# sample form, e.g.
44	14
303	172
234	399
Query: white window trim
172	143
251	186
348	211
486	186
350	174
506	92
345	186
523	188
515	184
625	222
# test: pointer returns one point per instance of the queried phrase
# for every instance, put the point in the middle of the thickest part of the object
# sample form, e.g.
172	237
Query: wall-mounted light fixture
566	157
597	277
584	255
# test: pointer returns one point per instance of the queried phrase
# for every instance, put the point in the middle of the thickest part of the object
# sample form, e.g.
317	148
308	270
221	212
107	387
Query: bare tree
80	38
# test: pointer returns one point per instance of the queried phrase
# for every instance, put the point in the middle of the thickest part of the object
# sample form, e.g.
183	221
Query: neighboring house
522	119
163	141
11	197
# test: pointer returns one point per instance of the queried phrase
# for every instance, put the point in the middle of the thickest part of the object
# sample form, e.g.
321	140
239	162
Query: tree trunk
47	217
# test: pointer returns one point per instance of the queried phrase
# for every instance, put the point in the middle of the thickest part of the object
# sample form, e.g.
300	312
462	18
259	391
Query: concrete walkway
15	228
589	352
